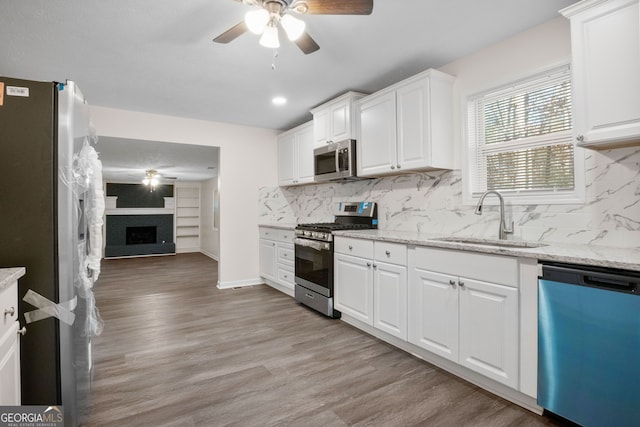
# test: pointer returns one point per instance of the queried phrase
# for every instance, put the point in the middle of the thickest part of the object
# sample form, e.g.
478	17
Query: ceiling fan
271	13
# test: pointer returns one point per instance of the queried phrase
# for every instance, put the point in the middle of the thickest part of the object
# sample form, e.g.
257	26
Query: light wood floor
176	351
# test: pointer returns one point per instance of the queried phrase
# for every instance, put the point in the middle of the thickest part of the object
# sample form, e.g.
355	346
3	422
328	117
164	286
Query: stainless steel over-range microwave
334	161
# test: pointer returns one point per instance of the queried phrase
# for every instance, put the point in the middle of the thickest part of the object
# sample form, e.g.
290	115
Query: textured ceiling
126	160
157	56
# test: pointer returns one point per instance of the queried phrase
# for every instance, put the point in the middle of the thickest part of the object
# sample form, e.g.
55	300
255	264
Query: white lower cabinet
390	299
489	330
471	313
371	283
471	322
277	258
354	287
268	259
9	346
433	313
10	366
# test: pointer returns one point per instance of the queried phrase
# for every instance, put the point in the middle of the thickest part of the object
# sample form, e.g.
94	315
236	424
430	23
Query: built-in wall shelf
187	214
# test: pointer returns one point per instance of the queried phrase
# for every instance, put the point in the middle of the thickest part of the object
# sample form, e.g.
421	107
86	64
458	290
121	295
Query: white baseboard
187	250
210	255
239	283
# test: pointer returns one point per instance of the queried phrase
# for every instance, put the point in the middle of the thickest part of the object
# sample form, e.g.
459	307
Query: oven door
314	266
325	163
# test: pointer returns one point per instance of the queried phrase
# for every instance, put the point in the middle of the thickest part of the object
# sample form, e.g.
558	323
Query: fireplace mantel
110	208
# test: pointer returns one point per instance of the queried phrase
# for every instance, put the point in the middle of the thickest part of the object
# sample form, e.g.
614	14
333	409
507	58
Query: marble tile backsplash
431	202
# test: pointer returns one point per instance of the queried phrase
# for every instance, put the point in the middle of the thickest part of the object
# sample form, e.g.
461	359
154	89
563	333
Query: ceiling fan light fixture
257	20
270	37
294	27
151	179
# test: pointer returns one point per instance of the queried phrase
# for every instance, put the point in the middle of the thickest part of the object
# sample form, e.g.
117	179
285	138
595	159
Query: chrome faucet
503	227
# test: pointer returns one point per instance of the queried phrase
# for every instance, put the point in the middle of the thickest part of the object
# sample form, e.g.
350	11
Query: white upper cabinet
605	38
295	155
335	120
407	126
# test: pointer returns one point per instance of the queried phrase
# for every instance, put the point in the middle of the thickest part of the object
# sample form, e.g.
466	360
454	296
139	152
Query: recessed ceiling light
279	100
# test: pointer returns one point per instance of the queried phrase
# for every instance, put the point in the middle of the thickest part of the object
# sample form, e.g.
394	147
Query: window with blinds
520	137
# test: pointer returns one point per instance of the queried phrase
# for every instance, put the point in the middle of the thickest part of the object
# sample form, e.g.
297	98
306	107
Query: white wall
522	55
247	162
209	236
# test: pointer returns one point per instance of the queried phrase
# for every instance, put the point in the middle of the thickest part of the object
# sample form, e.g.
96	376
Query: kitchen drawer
269	233
286	254
286	276
355	247
394	253
286	236
8	304
277	234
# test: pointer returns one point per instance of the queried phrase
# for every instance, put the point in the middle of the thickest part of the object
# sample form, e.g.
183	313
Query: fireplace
141	235
135	235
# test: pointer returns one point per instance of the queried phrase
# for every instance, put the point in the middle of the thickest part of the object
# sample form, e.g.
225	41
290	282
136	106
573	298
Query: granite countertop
10	275
593	255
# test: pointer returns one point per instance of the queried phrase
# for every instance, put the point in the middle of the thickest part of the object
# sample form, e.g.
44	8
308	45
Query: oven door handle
319	246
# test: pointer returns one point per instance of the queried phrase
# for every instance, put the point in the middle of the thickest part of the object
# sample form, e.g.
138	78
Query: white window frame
529	197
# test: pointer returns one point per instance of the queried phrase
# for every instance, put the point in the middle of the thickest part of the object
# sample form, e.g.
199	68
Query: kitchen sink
491	242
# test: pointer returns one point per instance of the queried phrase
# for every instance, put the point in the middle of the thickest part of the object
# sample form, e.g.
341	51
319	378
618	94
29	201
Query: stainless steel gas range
314	254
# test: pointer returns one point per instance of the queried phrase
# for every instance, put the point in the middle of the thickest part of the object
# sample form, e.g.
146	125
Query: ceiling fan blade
333	7
306	43
231	34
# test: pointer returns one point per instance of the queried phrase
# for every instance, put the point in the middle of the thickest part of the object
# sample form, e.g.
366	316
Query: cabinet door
10	367
390	299
414	140
433	312
340	123
304	154
268	259
606	72
354	287
321	127
377	144
489	330
286	159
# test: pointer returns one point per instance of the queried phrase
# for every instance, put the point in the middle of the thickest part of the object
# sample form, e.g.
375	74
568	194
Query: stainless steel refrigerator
43	128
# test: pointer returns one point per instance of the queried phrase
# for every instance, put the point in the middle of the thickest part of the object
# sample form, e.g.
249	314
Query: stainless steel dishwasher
589	344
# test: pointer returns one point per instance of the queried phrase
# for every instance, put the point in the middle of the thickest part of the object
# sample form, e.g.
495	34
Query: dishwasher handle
609	279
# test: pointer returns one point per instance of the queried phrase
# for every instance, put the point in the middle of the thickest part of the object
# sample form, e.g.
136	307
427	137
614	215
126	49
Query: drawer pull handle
388	253
10	311
23	331
461	283
309	296
452	282
368	264
350	247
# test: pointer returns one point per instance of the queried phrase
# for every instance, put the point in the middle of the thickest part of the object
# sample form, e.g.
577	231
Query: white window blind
520	137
